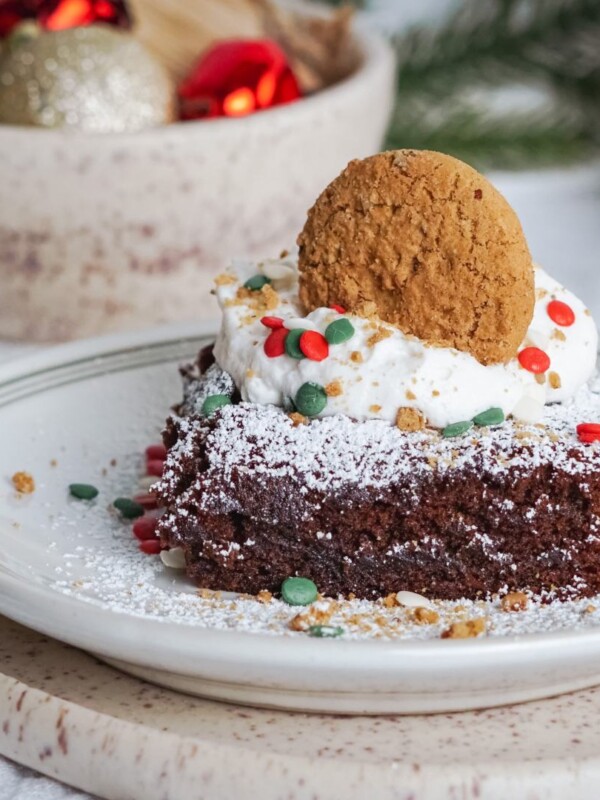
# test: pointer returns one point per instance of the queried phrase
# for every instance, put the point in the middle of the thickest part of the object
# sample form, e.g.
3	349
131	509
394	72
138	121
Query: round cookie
424	242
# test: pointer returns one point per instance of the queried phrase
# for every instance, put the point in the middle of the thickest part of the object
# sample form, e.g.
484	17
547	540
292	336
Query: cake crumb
409	419
514	601
334	389
468	629
298	419
23	482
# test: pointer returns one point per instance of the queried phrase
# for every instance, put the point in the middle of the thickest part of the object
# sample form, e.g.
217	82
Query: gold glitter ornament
96	79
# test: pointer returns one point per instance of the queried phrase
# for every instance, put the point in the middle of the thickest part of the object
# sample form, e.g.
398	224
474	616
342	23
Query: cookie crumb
224	279
554	380
410	395
334	389
379	335
514	601
390	601
298	419
356	357
468	629
558	335
23	482
409	419
425	616
375	408
264	596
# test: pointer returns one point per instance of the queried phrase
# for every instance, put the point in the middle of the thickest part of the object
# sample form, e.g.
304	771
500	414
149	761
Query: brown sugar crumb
410	395
264	596
390	601
298	419
23	482
334	389
554	380
465	630
356	357
558	335
514	601
379	335
224	279
425	616
375	409
409	419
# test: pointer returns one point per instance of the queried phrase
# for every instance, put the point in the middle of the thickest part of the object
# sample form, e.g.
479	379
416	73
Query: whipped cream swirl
380	369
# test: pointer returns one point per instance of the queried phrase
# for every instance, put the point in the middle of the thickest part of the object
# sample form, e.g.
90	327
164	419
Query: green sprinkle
311	399
325	631
299	591
456	429
493	416
83	491
128	508
214	402
339	331
292	343
256	282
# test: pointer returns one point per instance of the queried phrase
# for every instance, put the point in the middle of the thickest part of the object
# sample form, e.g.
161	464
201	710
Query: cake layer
364	508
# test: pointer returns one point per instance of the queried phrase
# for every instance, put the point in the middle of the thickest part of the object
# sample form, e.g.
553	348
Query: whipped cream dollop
380	369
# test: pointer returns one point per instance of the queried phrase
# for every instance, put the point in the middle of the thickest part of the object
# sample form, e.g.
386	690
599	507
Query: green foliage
449	75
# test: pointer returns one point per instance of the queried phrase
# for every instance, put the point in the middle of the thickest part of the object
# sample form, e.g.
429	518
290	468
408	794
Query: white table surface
560	212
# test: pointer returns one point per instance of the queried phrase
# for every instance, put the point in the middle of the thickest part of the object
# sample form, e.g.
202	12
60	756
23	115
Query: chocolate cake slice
364	508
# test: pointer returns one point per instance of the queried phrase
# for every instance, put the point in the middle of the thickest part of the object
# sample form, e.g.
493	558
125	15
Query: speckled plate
84	412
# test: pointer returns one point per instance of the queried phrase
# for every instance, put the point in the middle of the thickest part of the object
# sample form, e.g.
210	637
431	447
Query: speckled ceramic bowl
107	232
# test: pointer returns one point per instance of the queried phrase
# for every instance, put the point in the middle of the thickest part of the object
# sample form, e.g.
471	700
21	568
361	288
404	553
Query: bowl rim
376	56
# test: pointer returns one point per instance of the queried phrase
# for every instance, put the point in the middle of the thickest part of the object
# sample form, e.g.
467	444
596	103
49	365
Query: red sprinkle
314	345
339	309
144	528
534	360
147	500
272	322
560	313
155	467
151	547
275	342
156	452
588	432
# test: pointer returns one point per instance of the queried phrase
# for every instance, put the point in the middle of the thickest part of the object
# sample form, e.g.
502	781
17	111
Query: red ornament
56	15
534	360
151	547
339	309
561	313
588	432
272	322
236	77
314	345
275	342
144	528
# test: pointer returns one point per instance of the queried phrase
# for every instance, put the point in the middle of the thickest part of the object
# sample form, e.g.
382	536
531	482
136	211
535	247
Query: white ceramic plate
88	404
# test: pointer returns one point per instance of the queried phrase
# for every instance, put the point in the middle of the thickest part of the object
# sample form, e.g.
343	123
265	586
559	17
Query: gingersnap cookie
426	243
